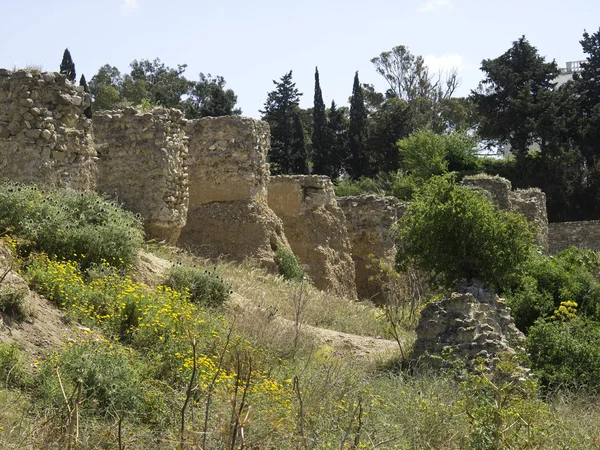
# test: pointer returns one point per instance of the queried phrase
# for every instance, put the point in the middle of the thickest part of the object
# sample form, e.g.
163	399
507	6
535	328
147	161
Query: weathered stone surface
142	164
316	229
532	204
562	235
369	219
236	230
34	121
499	188
228	176
227	159
467	324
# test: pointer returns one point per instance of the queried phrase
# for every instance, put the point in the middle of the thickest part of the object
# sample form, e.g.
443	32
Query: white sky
251	43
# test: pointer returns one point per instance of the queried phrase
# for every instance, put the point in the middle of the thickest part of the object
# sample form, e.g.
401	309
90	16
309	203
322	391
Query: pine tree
83	82
357	132
280	112
67	66
321	148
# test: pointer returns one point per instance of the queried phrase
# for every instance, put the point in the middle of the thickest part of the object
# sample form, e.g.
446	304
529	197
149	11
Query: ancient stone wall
467	324
369	220
316	229
141	161
44	136
529	202
562	235
228	175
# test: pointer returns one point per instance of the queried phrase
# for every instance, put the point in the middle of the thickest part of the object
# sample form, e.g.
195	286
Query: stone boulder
468	324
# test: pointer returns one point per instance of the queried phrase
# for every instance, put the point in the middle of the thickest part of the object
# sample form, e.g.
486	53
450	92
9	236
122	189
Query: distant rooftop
572	67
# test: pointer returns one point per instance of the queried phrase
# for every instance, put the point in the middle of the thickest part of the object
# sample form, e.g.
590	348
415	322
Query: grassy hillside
225	356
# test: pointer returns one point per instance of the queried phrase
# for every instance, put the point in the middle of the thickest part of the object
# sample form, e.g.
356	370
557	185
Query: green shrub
12	367
566	354
69	225
364	185
288	265
205	287
459	234
12	301
546	282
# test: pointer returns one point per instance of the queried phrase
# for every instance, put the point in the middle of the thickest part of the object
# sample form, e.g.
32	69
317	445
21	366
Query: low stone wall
316	229
369	220
45	137
562	235
142	164
228	213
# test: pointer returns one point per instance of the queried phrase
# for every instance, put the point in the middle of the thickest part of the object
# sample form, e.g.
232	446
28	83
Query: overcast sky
251	43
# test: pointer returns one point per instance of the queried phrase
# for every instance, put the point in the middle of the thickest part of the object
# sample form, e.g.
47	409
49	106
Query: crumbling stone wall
562	235
316	229
529	202
44	136
142	164
369	220
467	324
228	175
532	204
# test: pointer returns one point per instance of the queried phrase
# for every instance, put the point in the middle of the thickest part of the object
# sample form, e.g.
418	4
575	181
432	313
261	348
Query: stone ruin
369	220
529	202
316	229
228	176
153	146
465	325
45	137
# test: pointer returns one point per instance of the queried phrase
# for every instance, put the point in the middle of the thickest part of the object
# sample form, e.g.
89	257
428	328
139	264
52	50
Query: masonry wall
316	229
45	137
228	174
562	235
142	163
369	220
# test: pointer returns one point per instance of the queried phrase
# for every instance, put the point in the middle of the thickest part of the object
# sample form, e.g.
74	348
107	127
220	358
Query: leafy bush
288	265
566	354
459	234
205	287
364	185
546	282
12	301
69	224
12	367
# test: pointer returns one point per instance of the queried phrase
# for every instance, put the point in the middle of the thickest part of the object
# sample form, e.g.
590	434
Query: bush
459	234
12	301
288	265
546	282
12	367
364	185
69	224
205	287
566	354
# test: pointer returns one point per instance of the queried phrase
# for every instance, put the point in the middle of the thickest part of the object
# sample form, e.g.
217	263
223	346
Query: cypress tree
337	138
67	66
357	131
321	148
83	82
299	154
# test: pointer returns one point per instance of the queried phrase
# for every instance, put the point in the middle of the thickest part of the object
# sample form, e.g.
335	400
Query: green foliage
12	300
69	224
459	234
364	185
67	66
288	149
337	137
12	367
358	161
547	282
205	287
208	98
288	265
322	161
566	354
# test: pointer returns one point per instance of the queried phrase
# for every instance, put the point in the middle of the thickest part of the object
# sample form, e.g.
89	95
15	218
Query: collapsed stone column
369	220
228	214
529	202
316	229
142	165
45	137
